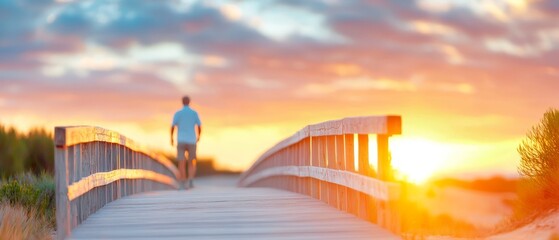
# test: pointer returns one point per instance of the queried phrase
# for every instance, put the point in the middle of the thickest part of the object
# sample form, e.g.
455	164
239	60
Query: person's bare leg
181	158
191	170
182	170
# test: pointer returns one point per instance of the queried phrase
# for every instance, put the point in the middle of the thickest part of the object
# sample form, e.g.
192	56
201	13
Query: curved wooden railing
319	161
94	166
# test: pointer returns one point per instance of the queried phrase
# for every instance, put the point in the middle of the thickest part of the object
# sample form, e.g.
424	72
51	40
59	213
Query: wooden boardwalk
224	213
109	187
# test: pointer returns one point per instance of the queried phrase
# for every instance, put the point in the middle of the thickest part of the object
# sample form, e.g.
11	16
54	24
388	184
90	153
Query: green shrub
539	166
40	151
46	201
25	152
37	193
17	193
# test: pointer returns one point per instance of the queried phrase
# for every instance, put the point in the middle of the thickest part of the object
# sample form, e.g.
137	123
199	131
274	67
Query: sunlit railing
94	166
320	161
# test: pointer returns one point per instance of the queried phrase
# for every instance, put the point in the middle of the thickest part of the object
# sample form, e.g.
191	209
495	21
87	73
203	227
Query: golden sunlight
417	159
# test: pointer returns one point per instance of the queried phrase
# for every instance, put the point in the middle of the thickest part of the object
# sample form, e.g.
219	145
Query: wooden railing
94	166
319	161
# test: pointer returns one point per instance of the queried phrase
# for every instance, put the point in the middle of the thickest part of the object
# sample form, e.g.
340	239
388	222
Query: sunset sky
469	77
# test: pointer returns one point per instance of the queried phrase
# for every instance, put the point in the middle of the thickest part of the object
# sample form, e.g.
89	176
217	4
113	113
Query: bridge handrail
94	166
318	160
352	125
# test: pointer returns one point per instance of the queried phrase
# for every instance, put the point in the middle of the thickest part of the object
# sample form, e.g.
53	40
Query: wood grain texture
330	167
103	178
62	202
95	166
370	186
73	135
388	125
224	213
364	208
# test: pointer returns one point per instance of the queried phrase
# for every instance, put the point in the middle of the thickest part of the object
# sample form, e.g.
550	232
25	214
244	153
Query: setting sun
417	159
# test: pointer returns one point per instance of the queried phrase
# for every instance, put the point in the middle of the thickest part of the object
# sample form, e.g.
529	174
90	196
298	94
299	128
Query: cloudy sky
469	77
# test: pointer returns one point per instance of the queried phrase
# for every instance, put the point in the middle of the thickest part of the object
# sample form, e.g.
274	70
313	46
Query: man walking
186	120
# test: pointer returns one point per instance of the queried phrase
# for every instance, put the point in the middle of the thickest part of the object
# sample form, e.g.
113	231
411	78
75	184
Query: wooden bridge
316	184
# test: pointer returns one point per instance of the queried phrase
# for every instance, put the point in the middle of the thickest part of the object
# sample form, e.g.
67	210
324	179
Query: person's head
185	101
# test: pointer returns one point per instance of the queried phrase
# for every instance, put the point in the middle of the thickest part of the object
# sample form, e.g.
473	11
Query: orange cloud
344	70
456	73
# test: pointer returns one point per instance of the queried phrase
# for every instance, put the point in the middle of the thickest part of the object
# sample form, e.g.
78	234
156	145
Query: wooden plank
73	135
322	163
332	164
352	195
329	128
300	162
390	125
364	169
104	178
224	213
306	154
384	165
366	185
341	165
63	227
385	174
315	183
292	160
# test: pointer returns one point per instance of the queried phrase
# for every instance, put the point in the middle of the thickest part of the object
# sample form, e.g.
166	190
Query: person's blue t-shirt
186	120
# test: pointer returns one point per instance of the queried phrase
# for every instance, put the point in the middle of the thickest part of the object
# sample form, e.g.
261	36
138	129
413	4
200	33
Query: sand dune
481	209
542	228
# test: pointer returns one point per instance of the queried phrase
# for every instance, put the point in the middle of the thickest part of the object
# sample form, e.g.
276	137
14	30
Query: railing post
384	168
340	165
383	175
322	158
75	160
388	214
364	169
300	158
292	162
315	184
307	151
352	195
61	173
332	164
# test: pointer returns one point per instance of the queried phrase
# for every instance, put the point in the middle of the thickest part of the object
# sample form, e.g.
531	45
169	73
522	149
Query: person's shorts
186	147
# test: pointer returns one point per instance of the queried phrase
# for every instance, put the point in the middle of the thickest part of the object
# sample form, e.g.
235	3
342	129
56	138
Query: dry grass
419	223
517	221
432	212
17	222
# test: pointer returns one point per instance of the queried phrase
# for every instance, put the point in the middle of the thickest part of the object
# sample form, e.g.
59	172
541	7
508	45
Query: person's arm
172	132
198	126
173	124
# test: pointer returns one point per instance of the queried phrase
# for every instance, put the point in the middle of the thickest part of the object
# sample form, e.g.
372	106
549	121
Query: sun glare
417	159
413	159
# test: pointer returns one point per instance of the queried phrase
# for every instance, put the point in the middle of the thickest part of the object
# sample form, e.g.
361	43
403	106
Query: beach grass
27	207
18	222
